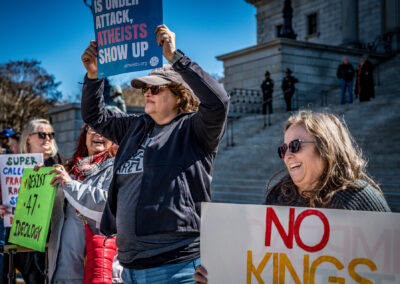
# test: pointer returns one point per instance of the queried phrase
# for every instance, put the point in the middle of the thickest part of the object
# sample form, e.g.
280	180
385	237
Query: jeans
181	273
343	86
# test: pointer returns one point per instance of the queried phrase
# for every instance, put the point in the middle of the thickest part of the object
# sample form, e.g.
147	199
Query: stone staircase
242	172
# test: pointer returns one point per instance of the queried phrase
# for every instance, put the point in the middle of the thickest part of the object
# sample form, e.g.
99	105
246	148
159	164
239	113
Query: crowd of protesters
138	180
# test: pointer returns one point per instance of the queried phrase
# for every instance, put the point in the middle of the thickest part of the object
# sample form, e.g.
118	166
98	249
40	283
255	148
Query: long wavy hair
32	127
81	149
343	161
188	102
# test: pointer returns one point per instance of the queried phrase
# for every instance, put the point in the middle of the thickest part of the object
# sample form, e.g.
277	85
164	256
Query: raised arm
209	122
110	124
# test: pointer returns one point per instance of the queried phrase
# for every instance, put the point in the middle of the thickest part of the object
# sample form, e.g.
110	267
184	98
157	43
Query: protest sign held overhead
11	169
33	210
125	35
277	244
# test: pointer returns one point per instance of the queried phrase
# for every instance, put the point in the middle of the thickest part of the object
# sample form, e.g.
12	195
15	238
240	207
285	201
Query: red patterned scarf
83	167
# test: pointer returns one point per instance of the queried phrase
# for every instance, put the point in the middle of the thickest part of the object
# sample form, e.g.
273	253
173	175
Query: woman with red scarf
81	196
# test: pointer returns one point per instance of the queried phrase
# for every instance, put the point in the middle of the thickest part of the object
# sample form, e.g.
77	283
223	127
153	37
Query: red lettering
325	237
128	33
110	34
118	34
99	39
294	229
271	217
143	31
135	31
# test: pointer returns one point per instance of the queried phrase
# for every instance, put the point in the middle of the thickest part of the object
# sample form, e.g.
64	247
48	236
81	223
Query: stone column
392	22
350	23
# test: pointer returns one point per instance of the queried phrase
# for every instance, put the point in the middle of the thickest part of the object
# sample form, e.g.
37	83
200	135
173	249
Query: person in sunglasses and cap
325	169
163	167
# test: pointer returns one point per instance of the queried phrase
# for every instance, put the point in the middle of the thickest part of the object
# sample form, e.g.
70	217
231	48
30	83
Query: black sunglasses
155	90
42	135
294	147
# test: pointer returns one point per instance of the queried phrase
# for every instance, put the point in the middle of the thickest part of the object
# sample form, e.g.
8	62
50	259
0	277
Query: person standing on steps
288	88
345	73
267	88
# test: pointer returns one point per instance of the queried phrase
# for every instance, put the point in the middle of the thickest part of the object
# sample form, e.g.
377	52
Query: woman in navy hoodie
163	167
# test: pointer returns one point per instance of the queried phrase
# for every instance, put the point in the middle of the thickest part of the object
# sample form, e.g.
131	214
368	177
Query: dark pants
30	264
267	102
343	87
27	263
288	100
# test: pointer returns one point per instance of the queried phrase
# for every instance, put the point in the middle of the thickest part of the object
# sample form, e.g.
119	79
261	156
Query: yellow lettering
251	268
283	263
353	273
306	268
275	268
325	258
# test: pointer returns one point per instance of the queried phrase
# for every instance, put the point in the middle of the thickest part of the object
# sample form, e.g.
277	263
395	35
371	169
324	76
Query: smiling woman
82	191
325	168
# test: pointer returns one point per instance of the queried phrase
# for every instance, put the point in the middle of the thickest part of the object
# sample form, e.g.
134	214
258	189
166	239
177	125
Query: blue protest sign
125	35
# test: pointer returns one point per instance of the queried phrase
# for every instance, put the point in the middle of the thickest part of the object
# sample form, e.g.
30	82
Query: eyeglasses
294	147
155	90
42	135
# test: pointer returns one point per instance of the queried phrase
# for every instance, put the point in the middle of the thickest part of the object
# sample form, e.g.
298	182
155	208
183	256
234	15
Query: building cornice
282	42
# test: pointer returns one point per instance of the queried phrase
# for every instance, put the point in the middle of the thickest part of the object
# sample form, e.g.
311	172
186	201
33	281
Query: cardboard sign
34	208
125	35
277	244
11	168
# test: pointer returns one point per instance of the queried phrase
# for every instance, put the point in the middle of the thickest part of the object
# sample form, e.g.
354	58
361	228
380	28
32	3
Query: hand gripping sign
277	244
11	169
125	35
34	208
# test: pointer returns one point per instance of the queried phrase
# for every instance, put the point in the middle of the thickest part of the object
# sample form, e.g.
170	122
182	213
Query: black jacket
178	168
288	85
267	88
345	72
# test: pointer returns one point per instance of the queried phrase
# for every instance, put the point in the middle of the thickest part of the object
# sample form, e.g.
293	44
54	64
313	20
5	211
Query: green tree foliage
26	91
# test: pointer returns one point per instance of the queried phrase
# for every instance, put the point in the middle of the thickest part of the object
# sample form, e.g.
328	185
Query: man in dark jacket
345	73
288	88
267	88
163	167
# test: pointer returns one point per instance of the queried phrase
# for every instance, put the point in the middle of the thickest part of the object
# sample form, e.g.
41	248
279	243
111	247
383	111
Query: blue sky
56	33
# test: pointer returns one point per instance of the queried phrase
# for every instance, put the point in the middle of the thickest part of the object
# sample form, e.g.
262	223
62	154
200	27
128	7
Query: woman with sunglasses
37	137
82	191
325	169
163	168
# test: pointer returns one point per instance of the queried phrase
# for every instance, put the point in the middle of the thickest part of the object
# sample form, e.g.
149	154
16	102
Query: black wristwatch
178	55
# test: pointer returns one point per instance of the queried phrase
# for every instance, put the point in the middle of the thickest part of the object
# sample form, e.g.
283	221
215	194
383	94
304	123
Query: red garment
100	252
87	165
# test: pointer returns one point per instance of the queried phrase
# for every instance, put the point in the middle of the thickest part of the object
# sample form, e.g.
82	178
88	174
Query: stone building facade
326	31
67	123
328	21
